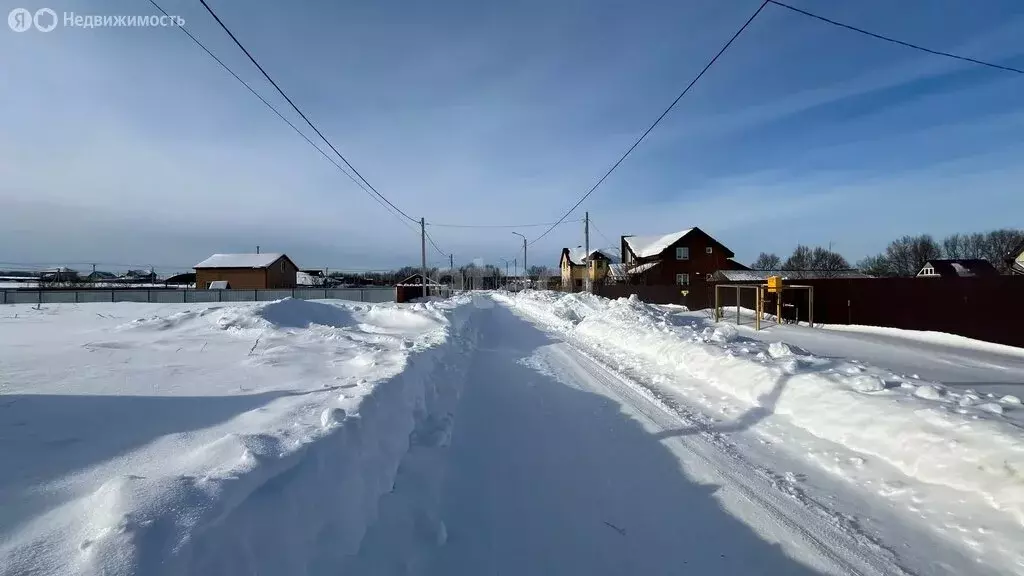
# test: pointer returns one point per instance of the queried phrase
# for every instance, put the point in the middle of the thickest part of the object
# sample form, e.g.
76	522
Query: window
927	271
708	250
282	265
683	279
682	253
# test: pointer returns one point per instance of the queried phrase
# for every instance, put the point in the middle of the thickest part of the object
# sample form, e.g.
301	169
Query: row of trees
803	257
904	256
494	274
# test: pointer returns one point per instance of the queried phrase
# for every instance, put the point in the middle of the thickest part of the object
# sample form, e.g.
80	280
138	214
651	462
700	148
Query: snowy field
197	439
538	433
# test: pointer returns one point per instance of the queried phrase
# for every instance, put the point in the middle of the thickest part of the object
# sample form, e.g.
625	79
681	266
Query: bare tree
999	243
767	261
961	246
800	259
877	265
908	255
827	263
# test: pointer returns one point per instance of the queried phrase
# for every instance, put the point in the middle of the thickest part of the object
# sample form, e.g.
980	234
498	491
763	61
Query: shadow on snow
549	479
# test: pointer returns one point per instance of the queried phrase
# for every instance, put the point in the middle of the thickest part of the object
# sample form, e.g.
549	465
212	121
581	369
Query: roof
962	267
762	275
642	267
240	260
417	280
647	246
578	256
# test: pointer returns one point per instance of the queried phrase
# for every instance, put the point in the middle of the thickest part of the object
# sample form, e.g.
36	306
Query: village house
247	271
574	267
957	268
686	259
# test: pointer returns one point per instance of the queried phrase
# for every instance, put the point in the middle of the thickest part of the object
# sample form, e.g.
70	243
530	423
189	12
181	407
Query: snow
547	434
639	268
187	438
261	260
963	460
647	246
929	337
579	255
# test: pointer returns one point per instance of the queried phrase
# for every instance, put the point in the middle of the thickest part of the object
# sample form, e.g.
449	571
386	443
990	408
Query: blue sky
132	146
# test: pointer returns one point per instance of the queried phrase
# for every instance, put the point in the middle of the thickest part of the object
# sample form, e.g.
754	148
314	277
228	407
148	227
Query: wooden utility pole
586	255
423	254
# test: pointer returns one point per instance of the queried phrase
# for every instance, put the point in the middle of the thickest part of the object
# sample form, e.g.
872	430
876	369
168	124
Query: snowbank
258	438
940	338
927	431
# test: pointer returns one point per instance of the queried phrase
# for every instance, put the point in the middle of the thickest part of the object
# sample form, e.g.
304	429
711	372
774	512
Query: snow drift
220	439
928	432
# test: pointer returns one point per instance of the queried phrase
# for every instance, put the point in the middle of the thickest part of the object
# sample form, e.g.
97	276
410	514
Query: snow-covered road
560	466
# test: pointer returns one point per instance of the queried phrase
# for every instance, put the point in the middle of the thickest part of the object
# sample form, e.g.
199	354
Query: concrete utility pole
451	273
586	255
526	273
423	253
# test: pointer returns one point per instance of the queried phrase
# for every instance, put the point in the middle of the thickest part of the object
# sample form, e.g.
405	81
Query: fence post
76	296
362	295
40	297
255	295
5	296
111	295
220	295
293	293
149	296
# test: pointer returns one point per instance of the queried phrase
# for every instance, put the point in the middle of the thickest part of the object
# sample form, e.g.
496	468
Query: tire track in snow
836	539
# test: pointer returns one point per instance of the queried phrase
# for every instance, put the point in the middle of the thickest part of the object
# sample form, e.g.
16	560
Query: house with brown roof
247	271
957	268
687	259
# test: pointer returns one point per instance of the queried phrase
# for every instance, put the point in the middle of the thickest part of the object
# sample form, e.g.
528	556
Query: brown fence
989	309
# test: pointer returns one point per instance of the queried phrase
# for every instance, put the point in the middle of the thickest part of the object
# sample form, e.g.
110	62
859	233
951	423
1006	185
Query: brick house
574	272
247	271
686	259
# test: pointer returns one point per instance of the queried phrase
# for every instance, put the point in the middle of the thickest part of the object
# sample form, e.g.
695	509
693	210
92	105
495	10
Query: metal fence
171	296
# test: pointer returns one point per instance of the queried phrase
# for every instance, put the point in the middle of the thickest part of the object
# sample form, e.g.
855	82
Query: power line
601	234
501	225
300	113
656	122
281	116
895	41
434	244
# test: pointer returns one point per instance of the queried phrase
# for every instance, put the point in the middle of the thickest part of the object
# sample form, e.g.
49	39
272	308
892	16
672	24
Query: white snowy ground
935	474
547	434
195	439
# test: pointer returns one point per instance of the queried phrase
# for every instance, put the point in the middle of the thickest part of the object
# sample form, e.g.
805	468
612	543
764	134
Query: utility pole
451	273
526	273
423	253
257	248
586	255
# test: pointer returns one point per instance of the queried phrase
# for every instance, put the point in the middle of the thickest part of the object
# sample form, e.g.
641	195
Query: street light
526	274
